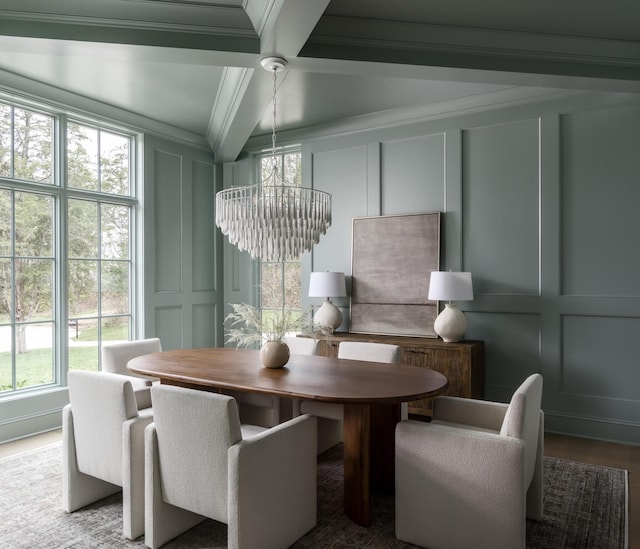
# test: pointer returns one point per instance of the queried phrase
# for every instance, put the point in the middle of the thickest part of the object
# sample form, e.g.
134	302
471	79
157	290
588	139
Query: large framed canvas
392	258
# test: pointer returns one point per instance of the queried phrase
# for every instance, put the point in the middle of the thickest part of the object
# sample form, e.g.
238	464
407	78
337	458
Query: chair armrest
456	473
468	411
272	480
133	435
78	489
133	474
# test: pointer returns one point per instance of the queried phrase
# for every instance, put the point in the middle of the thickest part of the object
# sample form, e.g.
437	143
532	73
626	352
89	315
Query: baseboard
592	427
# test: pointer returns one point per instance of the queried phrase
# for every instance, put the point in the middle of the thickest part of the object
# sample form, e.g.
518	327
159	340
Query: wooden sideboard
462	362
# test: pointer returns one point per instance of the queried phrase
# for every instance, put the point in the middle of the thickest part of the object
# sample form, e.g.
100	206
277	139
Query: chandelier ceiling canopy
274	220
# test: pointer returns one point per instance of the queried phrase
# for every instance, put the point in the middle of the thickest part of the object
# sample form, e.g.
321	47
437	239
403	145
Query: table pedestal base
369	457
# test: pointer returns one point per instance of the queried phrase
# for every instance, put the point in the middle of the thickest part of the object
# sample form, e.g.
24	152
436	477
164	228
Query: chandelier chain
273	123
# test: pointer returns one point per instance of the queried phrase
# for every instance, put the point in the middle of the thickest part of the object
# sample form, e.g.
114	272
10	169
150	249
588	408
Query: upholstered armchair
472	476
103	445
330	432
302	345
115	357
200	462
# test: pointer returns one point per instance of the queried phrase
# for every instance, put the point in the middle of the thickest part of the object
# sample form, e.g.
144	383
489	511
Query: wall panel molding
500	203
600	194
599	357
511	176
168	228
179	243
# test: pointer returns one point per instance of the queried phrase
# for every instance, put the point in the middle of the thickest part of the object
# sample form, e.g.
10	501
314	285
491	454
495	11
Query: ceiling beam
355	67
210	27
288	25
476	49
283	26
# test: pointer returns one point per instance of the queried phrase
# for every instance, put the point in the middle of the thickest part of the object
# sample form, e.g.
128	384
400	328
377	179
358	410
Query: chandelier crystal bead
275	221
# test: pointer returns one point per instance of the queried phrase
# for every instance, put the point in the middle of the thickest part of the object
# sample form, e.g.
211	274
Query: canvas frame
392	258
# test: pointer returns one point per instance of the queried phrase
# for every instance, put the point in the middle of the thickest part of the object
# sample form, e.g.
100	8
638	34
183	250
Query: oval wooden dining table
371	393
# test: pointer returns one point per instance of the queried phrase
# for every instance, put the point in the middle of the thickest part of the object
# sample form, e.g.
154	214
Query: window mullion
62	311
13	143
12	318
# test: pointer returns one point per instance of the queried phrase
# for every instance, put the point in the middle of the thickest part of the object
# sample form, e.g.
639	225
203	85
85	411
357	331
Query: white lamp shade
327	284
450	286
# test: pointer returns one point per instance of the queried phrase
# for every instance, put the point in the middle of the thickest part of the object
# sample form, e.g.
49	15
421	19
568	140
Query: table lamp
449	286
327	285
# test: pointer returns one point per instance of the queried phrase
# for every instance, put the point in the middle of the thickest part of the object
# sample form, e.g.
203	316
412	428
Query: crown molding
404	116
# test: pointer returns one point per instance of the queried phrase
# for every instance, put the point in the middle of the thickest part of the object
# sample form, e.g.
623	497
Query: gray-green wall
182	257
541	204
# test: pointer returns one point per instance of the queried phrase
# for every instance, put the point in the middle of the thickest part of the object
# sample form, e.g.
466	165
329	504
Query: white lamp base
328	315
450	324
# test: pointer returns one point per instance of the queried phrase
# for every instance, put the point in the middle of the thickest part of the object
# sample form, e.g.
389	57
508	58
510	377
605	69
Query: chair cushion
250	431
464	426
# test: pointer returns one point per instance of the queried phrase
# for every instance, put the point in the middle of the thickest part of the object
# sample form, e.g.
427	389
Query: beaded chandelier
273	221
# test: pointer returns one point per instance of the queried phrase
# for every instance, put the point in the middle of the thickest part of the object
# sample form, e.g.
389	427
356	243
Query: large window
281	281
67	208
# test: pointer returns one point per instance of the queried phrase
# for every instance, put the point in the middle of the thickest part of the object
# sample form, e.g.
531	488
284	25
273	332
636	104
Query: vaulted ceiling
194	65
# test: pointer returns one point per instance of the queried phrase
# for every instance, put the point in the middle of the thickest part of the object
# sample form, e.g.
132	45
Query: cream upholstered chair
201	462
115	357
103	445
302	345
354	350
472	476
373	352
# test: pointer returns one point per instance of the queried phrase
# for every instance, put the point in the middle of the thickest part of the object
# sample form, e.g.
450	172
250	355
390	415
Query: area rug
585	508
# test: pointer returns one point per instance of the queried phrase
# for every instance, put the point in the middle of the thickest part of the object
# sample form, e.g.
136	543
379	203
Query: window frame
61	194
280	153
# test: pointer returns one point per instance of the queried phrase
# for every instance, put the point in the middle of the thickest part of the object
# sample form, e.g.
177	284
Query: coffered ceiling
194	65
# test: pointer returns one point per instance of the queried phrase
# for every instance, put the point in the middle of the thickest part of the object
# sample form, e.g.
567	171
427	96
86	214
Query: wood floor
608	454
